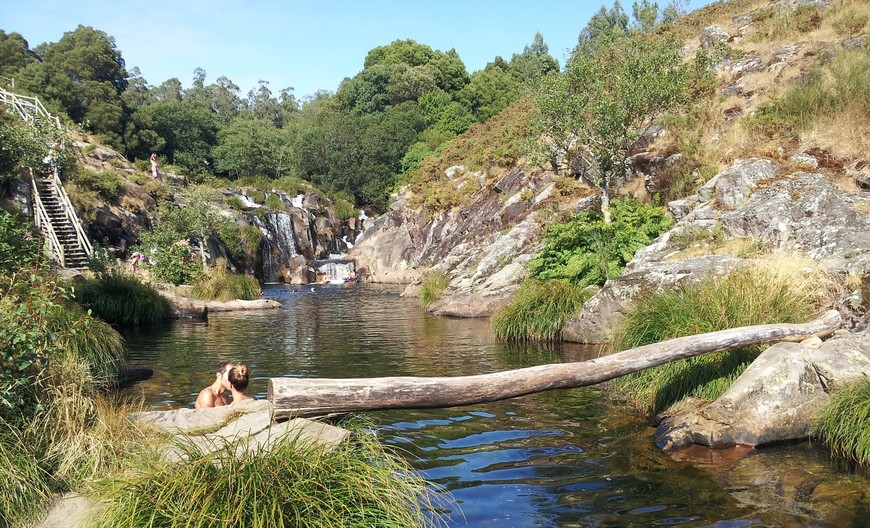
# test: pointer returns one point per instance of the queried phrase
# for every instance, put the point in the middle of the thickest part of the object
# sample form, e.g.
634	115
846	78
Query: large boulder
799	212
774	400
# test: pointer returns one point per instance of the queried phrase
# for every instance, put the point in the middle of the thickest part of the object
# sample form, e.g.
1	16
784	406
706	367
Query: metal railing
28	108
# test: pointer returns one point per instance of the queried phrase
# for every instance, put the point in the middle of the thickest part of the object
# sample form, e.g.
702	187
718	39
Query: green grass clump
23	483
434	284
296	483
222	286
539	311
274	203
106	183
122	299
760	294
844	424
344	209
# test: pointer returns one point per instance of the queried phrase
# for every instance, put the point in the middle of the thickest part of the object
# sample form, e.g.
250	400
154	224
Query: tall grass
844	425
122	299
539	311
23	482
433	285
222	286
791	292
296	483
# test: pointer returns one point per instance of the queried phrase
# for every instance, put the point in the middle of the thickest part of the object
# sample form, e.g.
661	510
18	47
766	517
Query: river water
565	458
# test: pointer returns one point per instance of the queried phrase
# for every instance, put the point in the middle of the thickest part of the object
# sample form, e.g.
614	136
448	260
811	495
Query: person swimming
237	381
215	395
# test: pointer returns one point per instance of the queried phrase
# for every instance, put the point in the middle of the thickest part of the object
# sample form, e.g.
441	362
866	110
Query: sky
307	45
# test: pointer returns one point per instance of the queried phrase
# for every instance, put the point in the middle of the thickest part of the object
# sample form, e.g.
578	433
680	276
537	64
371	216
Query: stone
805	160
454	171
713	35
70	511
776	398
854	43
737	182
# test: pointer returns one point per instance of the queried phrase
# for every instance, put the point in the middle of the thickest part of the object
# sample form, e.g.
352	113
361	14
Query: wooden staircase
53	213
59	223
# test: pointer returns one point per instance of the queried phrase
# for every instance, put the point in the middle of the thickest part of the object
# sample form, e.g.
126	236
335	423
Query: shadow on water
560	458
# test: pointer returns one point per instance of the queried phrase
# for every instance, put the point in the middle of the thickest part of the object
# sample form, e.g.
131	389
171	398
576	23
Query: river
565	458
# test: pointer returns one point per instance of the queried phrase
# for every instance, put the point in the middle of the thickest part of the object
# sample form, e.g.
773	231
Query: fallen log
319	396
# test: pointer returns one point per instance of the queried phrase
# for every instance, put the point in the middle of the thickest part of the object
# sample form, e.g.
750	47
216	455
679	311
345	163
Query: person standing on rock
154	171
215	395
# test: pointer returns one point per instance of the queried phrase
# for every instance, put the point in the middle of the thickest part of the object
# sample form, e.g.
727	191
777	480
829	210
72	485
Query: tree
491	90
15	54
251	146
606	24
535	61
606	101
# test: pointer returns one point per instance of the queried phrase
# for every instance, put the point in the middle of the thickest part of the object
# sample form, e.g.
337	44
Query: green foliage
586	250
851	22
829	92
344	209
252	147
773	23
274	203
21	146
17	249
122	299
234	202
750	296
607	99
296	483
222	286
844	424
539	311
184	134
24	484
433	285
250	236
106	183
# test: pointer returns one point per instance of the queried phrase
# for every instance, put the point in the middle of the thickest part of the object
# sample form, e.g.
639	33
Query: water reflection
560	458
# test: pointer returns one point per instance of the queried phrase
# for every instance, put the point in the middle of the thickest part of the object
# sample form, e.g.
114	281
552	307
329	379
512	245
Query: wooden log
318	396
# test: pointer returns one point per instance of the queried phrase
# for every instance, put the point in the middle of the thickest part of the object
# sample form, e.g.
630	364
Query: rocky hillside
756	186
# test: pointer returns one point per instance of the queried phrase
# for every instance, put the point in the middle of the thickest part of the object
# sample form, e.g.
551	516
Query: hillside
790	88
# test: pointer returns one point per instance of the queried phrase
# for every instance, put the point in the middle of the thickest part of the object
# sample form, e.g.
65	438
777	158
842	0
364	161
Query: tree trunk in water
319	396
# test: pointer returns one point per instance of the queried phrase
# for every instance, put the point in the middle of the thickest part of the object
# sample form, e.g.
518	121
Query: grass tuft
222	286
844	425
791	291
434	284
122	299
539	311
296	483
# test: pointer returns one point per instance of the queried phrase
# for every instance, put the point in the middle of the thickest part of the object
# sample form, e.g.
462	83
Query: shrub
296	483
274	203
122	299
222	286
344	209
844	424
434	284
106	183
539	311
587	251
234	202
17	249
760	294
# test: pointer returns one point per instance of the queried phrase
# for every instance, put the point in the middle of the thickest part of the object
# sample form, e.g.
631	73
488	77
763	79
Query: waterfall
278	244
296	201
333	271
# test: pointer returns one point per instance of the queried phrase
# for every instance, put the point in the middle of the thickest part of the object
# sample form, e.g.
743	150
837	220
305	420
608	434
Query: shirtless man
215	395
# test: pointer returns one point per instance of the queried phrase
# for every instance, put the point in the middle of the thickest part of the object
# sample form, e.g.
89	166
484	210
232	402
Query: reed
122	299
357	484
433	285
844	424
222	286
539	311
760	294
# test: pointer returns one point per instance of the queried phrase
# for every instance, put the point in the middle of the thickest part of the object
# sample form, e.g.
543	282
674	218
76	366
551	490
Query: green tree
491	90
15	54
183	133
251	146
605	25
535	61
606	101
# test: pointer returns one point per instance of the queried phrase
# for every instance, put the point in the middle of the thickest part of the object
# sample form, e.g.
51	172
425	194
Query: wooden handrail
43	222
71	214
29	108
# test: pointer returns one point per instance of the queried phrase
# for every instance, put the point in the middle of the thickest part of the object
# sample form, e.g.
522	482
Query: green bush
222	286
844	424
106	183
296	483
274	203
16	248
434	284
539	311
745	297
122	299
587	251
344	209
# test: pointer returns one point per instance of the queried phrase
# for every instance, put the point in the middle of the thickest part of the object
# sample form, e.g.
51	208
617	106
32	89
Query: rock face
750	200
481	246
774	400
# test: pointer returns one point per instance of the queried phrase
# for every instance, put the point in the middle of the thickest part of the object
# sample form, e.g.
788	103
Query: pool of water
563	458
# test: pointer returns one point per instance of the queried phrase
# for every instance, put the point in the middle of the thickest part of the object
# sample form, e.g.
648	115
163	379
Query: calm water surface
563	458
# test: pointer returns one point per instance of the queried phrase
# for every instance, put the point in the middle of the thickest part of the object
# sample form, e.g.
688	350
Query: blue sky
307	45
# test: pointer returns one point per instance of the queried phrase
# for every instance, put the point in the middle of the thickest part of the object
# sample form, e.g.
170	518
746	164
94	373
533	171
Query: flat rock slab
189	308
70	511
191	421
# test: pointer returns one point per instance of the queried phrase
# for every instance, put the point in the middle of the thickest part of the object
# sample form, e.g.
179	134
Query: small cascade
247	202
278	244
296	201
333	271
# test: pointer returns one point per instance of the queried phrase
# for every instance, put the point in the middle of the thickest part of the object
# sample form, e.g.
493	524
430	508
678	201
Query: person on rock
215	395
155	172
236	381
